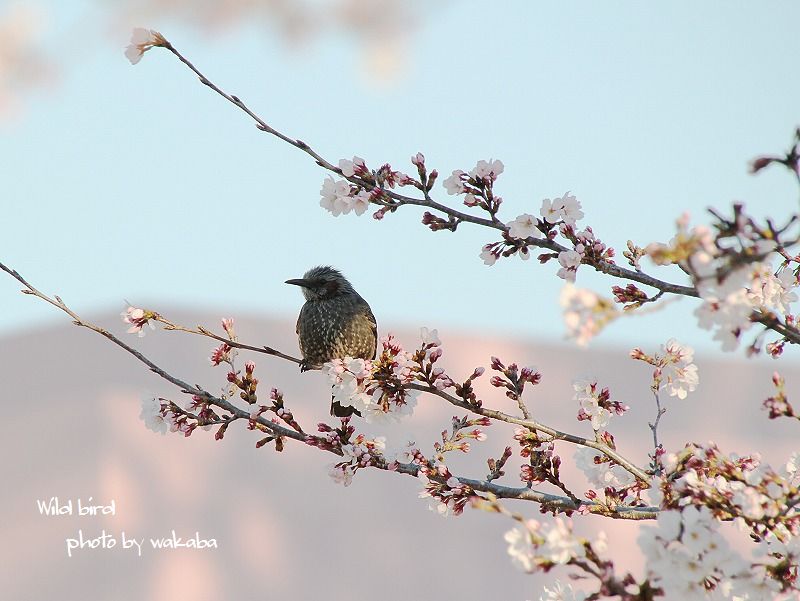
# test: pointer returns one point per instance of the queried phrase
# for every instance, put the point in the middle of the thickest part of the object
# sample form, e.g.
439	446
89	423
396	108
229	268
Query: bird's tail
339	410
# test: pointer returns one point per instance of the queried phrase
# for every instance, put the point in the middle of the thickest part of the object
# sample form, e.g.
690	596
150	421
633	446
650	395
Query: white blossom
333	192
454	184
141	41
566	209
487	170
601	475
523	227
569	261
769	291
585	313
430	336
488	256
521	548
152	417
349	168
559	592
560	545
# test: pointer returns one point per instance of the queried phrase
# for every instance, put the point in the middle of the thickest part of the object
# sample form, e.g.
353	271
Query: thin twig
533	425
654	429
168	325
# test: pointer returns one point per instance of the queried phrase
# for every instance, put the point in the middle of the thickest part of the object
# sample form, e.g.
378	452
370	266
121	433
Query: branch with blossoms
384	389
741	269
730	266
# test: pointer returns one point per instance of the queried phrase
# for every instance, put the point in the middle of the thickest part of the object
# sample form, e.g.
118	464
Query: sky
137	182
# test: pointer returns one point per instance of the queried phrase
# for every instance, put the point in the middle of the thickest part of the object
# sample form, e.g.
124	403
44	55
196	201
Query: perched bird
335	322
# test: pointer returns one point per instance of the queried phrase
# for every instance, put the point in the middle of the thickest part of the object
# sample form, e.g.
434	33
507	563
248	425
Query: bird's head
323	283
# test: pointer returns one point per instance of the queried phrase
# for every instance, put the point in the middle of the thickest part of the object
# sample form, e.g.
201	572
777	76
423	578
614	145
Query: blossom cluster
358	453
377	388
426	356
364	186
462	431
446	493
596	404
563	212
733	275
674	369
778	405
543	462
585	313
539	545
602	473
735	487
513	379
162	416
689	559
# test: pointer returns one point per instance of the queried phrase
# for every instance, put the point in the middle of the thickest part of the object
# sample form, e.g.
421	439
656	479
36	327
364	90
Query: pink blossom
138	318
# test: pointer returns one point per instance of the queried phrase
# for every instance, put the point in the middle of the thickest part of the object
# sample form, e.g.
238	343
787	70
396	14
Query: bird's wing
374	322
299	319
374	325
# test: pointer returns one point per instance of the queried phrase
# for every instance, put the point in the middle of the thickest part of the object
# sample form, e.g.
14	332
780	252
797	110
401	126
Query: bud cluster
458	439
513	379
446	492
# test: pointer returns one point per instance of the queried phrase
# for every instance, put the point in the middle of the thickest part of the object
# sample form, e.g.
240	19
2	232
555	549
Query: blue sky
136	182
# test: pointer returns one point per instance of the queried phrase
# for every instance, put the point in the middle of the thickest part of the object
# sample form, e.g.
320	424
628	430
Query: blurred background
137	183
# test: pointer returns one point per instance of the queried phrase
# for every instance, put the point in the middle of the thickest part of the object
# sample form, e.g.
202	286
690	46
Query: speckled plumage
335	322
332	329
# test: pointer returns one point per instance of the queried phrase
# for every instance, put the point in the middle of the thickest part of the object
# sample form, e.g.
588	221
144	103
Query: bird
335	322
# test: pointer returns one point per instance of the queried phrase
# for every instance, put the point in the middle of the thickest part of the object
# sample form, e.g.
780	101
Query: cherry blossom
586	313
338	197
559	592
566	209
141	41
487	170
569	261
601	474
153	416
455	183
523	227
138	318
356	167
596	404
489	254
536	544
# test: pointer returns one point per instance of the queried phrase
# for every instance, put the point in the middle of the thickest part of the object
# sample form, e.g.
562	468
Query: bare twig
654	429
200	330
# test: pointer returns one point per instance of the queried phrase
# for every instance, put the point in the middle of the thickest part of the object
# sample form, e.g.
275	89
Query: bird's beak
298	282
